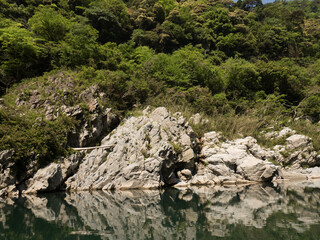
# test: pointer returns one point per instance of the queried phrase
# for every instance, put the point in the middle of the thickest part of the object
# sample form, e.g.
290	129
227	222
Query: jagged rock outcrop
233	162
58	97
52	177
283	133
297	151
7	179
149	151
46	179
5	168
157	150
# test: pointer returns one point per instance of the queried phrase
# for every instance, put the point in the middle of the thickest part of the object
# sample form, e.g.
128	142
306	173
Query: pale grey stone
298	141
141	155
195	119
45	180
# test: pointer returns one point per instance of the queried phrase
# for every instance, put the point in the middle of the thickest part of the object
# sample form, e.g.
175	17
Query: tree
110	18
242	79
49	24
20	55
79	47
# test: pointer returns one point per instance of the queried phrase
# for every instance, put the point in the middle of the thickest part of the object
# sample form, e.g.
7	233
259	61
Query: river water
248	212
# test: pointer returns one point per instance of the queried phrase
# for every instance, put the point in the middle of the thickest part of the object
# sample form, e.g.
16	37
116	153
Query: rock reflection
170	214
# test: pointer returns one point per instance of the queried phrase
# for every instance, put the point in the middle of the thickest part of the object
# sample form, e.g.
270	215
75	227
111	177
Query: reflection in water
248	212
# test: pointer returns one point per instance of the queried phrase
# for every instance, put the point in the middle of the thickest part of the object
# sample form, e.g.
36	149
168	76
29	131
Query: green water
252	212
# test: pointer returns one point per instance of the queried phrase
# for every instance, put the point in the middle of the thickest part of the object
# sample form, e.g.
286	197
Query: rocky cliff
158	149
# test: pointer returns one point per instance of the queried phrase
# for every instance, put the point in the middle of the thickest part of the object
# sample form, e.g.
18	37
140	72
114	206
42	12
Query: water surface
247	212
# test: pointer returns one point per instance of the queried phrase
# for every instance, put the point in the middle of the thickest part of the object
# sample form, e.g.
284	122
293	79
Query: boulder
206	178
254	169
9	191
298	150
195	119
235	162
45	180
285	132
298	141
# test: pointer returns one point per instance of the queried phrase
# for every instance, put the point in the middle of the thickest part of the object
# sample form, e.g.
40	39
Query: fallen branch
90	148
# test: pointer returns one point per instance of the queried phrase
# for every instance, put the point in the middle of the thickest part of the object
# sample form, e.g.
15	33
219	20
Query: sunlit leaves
49	24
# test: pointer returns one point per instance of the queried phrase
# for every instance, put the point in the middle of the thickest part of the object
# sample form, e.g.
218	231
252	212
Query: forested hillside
245	66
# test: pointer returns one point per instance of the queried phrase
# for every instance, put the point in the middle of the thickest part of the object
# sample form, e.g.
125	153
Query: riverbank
159	149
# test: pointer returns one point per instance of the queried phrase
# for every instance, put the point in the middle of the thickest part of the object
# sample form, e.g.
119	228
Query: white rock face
7	180
195	119
145	152
298	141
159	149
234	162
52	177
6	163
46	179
285	132
297	151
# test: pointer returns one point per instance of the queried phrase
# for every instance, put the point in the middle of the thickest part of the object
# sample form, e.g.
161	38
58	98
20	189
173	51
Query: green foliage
244	66
311	107
284	77
168	5
242	78
110	18
177	148
33	138
79	47
185	68
49	24
20	54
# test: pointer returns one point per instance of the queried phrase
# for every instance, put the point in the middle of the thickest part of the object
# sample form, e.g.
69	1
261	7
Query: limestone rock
236	161
144	152
10	191
285	132
91	131
147	110
5	158
6	177
185	175
195	119
291	175
69	165
92	128
45	180
255	169
298	151
298	141
203	179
